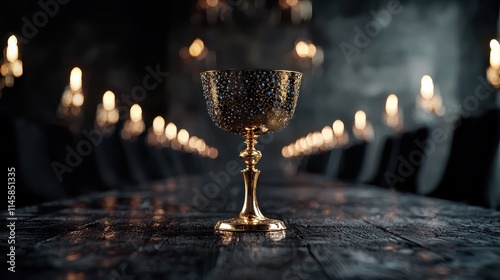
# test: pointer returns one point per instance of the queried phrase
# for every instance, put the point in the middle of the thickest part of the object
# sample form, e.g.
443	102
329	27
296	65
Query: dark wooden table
335	230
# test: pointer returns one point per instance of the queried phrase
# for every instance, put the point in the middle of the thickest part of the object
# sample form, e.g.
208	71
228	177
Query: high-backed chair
386	157
25	147
316	163
409	159
400	160
351	162
469	168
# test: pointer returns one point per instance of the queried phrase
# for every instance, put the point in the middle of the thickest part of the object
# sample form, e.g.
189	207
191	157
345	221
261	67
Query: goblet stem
250	217
250	174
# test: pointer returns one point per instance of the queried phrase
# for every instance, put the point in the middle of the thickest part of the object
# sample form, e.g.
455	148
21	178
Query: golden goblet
250	103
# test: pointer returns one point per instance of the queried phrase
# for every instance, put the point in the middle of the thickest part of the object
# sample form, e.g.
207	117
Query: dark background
114	41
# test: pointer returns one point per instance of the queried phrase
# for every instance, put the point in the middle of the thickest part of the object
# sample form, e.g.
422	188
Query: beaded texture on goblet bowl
251	103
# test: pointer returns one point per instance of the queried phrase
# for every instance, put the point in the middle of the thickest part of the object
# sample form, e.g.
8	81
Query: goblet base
242	223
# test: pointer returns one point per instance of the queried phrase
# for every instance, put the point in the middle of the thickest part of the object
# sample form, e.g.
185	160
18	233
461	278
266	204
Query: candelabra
429	101
107	114
493	71
156	134
362	129
134	126
72	101
341	137
392	116
11	66
73	97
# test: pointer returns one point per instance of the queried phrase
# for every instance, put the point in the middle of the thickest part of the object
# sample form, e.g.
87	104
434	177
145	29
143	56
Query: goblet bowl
238	99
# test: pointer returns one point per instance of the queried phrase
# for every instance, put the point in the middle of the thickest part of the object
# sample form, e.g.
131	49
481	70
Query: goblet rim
251	70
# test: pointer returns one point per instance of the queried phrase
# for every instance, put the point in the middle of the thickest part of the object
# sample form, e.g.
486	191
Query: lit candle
311	50
427	87
303	143
135	113
213	153
302	49
171	131
183	136
75	79
108	100
362	128
158	125
360	120
391	105
284	152
338	128
291	150
12	52
327	134
107	114
196	48
201	146
192	142
495	54
392	117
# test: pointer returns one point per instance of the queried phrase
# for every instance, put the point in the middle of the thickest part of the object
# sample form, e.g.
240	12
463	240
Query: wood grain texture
335	231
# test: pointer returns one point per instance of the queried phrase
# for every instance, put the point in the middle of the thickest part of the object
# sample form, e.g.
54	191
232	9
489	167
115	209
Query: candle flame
327	133
317	139
171	131
309	139
108	100
158	125
12	52
284	152
183	136
213	153
495	54
303	143
135	113
302	49
494	45
196	47
338	128
427	87
192	142
200	145
391	106
311	50
360	120
75	79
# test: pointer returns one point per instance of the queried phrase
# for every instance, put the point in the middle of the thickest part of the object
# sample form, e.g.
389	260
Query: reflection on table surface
334	230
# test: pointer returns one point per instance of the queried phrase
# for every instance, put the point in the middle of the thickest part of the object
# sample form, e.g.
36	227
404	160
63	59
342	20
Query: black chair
112	165
192	164
409	160
316	163
301	166
400	161
72	153
351	162
469	167
387	154
25	147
